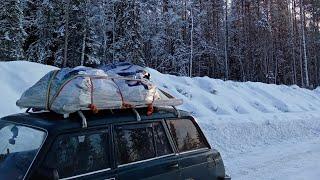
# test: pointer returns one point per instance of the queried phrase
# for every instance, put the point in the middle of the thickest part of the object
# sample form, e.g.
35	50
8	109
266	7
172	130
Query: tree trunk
226	64
191	46
305	58
83	48
104	48
84	32
292	34
66	36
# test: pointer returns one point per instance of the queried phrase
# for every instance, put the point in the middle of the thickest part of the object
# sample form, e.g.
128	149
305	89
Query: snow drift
239	116
236	117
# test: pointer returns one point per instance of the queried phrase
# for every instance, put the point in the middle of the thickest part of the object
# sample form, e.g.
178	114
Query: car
111	144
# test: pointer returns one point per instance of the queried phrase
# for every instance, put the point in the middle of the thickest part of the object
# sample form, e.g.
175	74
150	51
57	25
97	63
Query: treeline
272	41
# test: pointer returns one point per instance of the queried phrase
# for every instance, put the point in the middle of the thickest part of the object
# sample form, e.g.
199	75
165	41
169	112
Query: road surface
287	161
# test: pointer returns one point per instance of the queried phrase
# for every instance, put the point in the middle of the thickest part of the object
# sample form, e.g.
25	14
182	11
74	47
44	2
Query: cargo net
118	86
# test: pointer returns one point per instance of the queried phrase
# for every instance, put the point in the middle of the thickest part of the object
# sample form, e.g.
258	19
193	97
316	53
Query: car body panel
158	168
204	163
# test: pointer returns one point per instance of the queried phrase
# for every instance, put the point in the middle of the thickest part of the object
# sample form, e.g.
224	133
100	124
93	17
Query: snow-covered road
286	161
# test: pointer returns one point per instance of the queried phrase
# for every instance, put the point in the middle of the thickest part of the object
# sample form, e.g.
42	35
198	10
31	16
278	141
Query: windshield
18	147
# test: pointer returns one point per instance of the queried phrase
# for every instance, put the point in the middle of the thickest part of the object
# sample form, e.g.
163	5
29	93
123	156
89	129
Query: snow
290	160
15	78
262	131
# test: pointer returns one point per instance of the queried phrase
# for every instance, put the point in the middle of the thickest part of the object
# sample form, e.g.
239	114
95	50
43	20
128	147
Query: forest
270	41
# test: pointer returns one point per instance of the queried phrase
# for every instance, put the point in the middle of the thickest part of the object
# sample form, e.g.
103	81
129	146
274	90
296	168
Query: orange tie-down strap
92	106
126	105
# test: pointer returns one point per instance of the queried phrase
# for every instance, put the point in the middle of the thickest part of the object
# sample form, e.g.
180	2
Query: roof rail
83	118
137	114
177	112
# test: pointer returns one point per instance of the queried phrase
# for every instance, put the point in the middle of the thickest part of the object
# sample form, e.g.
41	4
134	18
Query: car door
143	151
196	159
81	155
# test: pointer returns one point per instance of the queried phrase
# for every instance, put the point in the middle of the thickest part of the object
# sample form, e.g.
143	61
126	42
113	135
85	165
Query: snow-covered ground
262	131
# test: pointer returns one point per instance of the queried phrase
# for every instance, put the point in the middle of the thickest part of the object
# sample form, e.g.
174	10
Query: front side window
140	142
78	154
19	146
186	135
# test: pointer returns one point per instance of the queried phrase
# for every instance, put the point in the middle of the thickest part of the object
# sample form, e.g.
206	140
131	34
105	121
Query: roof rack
84	119
137	114
138	117
177	112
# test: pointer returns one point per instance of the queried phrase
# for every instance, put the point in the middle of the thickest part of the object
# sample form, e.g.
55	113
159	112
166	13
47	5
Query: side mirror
46	173
12	141
15	133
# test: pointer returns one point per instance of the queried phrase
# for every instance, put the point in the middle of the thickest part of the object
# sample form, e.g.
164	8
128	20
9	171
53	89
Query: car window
186	135
161	140
141	141
19	146
78	154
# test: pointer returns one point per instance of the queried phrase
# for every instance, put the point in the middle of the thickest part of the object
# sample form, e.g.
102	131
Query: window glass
19	146
79	154
186	135
134	144
161	140
141	141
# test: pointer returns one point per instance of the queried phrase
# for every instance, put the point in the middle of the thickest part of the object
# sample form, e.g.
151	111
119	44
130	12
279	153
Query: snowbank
206	96
237	117
235	113
15	78
317	90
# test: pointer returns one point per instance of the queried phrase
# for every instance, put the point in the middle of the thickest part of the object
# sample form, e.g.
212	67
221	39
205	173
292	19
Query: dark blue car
118	144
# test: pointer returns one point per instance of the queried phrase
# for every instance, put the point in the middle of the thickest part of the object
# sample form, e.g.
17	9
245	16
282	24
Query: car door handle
173	166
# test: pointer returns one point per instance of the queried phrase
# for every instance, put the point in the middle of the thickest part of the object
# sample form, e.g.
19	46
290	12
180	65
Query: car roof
50	121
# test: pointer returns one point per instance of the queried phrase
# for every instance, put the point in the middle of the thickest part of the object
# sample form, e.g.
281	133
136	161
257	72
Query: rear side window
77	154
186	135
161	140
140	142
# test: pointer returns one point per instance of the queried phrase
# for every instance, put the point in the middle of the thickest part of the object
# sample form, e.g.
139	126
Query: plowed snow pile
238	116
254	125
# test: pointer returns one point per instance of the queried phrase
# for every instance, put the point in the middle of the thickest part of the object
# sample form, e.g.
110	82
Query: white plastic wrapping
69	90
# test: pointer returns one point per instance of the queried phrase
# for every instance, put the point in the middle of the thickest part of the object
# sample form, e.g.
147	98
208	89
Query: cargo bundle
118	86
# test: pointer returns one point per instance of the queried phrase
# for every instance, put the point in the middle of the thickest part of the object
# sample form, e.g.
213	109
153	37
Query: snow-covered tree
45	27
128	40
12	33
273	41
